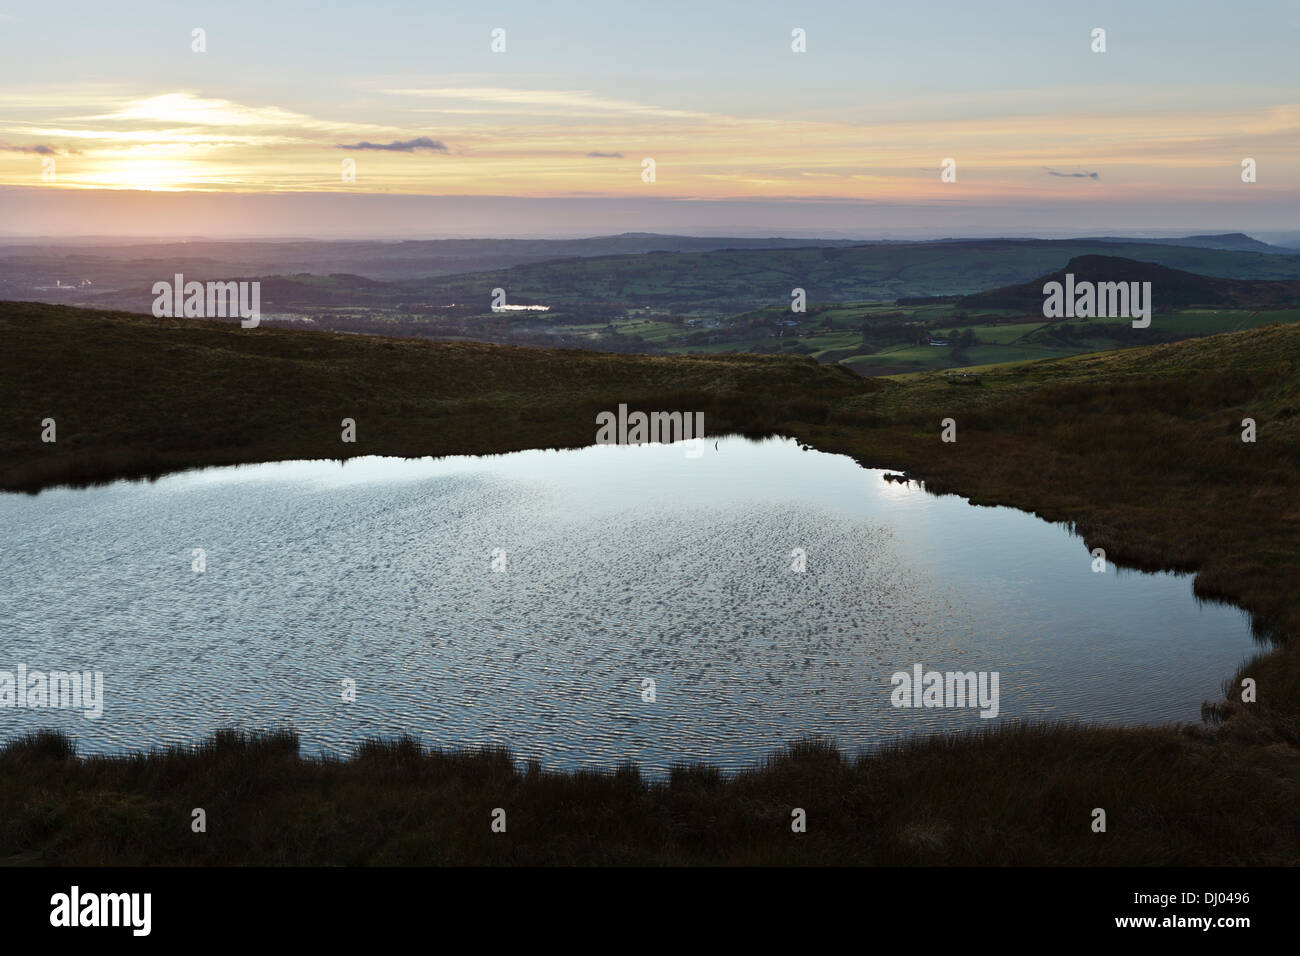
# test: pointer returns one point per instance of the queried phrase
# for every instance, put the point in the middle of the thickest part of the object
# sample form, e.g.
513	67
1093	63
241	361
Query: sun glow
148	174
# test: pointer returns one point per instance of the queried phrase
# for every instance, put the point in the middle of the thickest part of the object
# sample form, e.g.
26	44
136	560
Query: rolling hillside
1170	288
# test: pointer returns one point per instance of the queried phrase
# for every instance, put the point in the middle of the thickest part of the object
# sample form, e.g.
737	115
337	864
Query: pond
582	607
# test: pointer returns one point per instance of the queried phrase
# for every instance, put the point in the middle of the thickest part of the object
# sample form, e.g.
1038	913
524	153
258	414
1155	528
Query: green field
1003	341
996	334
1206	322
875	338
649	330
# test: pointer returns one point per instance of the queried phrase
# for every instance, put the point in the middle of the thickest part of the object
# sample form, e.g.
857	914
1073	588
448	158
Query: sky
400	119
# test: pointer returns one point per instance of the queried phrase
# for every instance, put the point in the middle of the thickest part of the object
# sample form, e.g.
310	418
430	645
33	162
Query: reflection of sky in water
623	563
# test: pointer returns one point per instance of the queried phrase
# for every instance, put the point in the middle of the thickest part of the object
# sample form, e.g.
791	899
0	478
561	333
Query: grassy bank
136	396
1015	796
1140	450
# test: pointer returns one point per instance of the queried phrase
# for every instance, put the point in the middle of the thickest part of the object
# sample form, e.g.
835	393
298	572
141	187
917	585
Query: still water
619	565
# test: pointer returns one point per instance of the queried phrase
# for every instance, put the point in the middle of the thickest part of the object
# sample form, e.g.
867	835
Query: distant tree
962	339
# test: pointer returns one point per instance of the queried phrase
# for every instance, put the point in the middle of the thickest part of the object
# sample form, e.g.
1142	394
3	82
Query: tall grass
1022	794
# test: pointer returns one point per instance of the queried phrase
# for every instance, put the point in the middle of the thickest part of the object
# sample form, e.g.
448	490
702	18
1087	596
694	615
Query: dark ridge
1170	288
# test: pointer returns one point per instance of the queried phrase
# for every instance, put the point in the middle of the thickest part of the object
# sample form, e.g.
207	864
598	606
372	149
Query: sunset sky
743	131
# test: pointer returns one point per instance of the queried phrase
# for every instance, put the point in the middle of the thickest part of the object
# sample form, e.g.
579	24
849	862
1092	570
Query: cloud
187	111
402	146
184	122
40	149
1052	172
596	155
549	102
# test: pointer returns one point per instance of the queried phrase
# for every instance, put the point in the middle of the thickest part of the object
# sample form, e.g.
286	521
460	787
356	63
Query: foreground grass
1139	451
945	800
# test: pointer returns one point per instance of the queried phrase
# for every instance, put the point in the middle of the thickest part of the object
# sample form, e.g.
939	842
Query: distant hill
110	263
1236	241
1170	288
740	279
600	278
